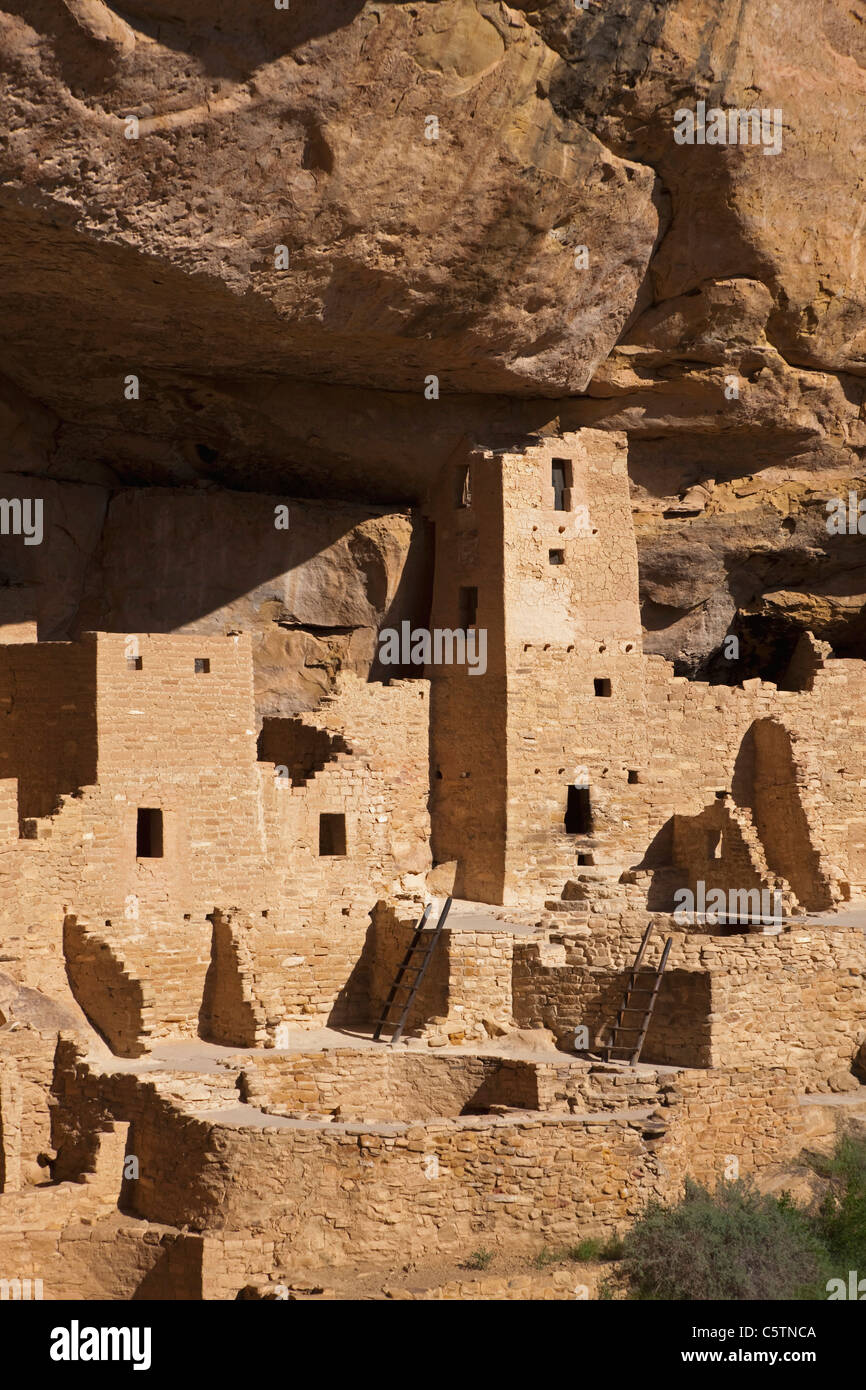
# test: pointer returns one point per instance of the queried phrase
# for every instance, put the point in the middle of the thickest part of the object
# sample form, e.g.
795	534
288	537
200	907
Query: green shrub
585	1251
479	1259
736	1243
841	1219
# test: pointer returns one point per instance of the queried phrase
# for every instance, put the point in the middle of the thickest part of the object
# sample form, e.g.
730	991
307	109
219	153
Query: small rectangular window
332	834
601	685
133	663
202	666
556	557
578	812
463	486
561	482
148	838
468	606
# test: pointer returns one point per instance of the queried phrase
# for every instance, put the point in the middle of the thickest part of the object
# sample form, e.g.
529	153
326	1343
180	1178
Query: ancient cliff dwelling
432	645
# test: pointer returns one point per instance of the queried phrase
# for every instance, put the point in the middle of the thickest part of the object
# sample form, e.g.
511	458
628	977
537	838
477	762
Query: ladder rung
423	950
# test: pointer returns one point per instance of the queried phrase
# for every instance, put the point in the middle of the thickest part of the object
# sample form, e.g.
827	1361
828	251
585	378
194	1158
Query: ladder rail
632	988
401	970
406	968
652	1003
431	947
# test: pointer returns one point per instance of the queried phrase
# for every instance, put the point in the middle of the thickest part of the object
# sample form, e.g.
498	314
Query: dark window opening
206	453
632	776
556	557
468	607
133	663
601	685
578	812
463	486
148	837
560	478
586	859
332	833
202	666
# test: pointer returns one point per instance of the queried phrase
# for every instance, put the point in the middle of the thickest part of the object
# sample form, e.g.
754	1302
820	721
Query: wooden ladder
409	975
645	1011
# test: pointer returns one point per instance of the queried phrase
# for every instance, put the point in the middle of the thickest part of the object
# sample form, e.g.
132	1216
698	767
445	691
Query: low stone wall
380	1085
588	1088
95	1255
264	973
383	1085
465	995
796	999
336	1192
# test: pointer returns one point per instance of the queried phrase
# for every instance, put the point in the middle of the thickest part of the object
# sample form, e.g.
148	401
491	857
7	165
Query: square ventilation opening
633	776
556	557
133	663
148	834
332	834
601	685
202	665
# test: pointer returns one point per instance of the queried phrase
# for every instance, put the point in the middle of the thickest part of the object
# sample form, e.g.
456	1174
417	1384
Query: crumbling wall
116	1003
567	996
781	818
337	1192
264	973
230	1012
372	743
466	992
48	730
797	999
378	1084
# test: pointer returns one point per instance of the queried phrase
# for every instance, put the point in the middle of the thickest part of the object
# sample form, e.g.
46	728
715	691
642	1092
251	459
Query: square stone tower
537	549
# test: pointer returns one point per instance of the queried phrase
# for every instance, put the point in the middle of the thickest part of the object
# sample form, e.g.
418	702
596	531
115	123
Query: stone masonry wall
796	999
587	712
370	1193
465	994
264	974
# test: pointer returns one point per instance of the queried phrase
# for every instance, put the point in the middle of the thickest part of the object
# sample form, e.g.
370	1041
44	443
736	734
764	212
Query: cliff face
302	371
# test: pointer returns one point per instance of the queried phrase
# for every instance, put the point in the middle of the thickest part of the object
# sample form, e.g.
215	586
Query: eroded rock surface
455	257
